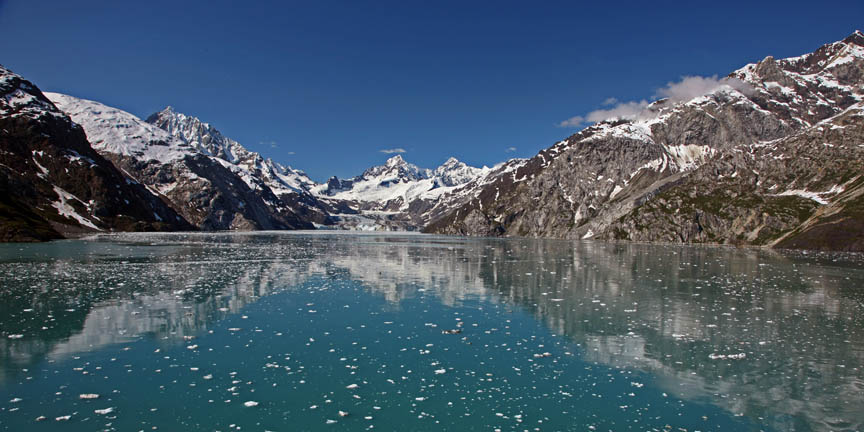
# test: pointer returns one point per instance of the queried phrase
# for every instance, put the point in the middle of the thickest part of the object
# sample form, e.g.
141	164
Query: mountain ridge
55	184
622	165
743	161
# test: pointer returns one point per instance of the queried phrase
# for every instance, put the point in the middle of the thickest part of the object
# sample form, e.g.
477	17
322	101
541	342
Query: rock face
771	155
213	181
52	182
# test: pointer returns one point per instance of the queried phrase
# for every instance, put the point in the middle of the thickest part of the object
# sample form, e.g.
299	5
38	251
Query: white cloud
694	86
393	150
572	122
688	88
623	110
272	144
510	150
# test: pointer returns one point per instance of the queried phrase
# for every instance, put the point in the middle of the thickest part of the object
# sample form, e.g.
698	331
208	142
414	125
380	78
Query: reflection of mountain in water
755	332
63	308
399	267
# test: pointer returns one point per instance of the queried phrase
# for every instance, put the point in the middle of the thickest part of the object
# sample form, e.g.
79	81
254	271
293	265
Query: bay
339	331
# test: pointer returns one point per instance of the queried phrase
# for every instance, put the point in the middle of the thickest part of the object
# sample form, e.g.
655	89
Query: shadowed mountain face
52	181
774	337
771	155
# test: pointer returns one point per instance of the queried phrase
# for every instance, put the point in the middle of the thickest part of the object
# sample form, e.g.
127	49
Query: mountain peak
395	160
856	38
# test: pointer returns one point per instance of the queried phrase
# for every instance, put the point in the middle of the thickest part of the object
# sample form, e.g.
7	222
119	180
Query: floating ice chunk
250	404
88	396
15	336
738	356
62	418
15	400
104	411
440	371
343	413
352	386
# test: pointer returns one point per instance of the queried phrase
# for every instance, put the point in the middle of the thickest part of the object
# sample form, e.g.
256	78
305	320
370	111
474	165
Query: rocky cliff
769	155
52	182
213	181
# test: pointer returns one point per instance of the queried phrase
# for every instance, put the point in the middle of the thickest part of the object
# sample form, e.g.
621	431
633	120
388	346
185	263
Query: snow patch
65	209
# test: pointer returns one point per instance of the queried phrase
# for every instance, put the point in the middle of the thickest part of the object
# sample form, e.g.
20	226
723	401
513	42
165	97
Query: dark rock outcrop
54	184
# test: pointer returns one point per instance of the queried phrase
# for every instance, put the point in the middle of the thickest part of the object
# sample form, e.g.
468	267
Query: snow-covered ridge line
250	165
115	131
397	179
118	132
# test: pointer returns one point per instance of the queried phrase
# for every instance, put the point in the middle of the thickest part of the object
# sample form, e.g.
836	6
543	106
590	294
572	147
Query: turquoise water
282	331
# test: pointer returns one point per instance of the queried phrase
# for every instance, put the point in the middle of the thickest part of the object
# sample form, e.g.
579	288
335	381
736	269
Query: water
412	332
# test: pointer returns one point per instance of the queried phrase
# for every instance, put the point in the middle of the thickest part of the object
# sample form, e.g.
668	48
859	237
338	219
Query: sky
333	87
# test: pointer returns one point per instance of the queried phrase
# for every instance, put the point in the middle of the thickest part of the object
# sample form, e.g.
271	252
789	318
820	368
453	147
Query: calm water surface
282	331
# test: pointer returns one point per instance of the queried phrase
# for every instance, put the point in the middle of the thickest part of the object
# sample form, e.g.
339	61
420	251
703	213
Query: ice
568	327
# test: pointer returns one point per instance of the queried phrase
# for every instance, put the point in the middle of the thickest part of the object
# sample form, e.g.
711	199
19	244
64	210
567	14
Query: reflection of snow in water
709	324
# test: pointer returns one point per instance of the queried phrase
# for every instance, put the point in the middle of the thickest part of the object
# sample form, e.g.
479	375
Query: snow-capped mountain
764	156
398	180
213	181
54	184
771	154
455	173
397	194
209	141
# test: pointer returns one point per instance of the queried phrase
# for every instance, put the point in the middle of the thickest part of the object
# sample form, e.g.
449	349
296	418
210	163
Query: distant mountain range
772	155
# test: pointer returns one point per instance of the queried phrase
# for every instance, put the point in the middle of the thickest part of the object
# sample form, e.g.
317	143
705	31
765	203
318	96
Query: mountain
211	180
395	195
209	141
54	184
771	155
291	187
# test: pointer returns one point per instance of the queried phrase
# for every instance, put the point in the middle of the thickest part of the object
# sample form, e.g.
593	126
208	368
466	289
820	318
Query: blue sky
324	86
